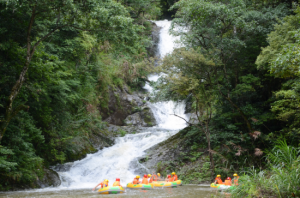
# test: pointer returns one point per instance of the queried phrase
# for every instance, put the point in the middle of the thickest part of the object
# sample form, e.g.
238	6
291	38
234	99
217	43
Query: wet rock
63	167
152	49
185	153
133	120
120	105
144	118
148	117
50	178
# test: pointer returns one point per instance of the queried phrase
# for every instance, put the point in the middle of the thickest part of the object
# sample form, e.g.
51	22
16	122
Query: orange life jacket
150	180
155	177
175	177
170	179
219	180
116	183
236	181
135	181
227	182
145	180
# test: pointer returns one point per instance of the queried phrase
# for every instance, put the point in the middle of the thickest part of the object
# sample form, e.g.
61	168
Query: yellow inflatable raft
213	185
140	186
111	190
178	182
165	184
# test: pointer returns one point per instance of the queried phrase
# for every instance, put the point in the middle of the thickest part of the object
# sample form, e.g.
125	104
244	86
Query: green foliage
217	71
281	58
122	133
282	180
93	46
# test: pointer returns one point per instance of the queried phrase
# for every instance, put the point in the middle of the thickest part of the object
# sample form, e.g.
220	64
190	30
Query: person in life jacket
227	181
102	184
159	178
154	177
150	178
174	176
236	179
145	179
136	180
117	182
218	180
169	178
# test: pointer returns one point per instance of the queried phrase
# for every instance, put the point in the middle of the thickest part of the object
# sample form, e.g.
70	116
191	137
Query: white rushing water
120	160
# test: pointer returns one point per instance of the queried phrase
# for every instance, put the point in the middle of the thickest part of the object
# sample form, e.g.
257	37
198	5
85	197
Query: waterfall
118	160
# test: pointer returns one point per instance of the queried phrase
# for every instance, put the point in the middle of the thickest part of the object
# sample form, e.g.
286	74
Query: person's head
218	175
149	175
169	176
137	176
106	180
145	175
173	173
235	175
158	174
118	179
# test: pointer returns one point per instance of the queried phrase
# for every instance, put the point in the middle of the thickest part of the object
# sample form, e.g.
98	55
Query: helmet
228	178
149	175
169	176
145	175
218	175
158	174
118	179
137	176
173	173
235	175
106	180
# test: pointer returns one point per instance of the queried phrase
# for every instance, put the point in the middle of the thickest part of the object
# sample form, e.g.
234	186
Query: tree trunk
10	112
212	163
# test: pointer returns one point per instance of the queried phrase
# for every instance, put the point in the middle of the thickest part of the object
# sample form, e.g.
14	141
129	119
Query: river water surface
186	191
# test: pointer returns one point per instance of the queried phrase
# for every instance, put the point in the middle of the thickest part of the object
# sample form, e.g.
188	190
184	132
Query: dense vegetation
57	62
238	73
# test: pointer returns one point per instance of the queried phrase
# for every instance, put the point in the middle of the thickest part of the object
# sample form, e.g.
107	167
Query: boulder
144	118
50	178
120	105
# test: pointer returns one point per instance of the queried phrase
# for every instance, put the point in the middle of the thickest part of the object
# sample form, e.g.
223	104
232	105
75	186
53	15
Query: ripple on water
187	191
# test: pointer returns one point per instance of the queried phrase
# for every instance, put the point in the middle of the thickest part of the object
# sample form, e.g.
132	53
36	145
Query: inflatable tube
223	187
213	185
111	190
140	186
179	182
165	184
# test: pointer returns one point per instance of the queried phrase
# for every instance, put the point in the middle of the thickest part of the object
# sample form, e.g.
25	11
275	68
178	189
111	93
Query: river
120	160
186	191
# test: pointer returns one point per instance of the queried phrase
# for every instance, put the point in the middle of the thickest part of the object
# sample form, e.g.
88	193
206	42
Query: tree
190	73
42	19
281	58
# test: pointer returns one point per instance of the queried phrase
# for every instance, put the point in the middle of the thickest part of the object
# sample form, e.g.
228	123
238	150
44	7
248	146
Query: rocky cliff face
125	109
152	50
185	153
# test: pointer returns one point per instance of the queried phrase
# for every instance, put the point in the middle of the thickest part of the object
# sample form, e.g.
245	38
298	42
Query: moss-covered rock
144	118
